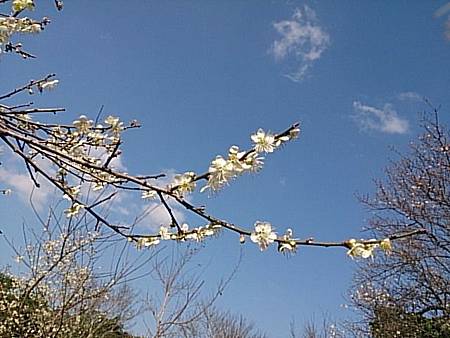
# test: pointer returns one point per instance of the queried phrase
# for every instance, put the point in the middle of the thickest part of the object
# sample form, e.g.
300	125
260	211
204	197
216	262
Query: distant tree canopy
407	293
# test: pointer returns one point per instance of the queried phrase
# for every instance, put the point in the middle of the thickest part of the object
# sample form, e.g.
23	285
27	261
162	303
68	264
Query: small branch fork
17	48
28	86
29	138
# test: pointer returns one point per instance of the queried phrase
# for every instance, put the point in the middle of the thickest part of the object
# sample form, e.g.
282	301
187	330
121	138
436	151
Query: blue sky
203	75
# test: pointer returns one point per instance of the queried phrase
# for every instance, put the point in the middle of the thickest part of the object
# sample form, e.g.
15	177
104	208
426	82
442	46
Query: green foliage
395	322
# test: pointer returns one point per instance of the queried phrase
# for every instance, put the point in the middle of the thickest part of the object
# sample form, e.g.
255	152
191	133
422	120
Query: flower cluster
83	124
184	183
115	126
149	194
365	250
267	142
74	209
221	171
264	142
11	25
197	234
20	5
85	143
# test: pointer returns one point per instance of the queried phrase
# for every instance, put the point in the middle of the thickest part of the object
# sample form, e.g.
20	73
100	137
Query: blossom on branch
386	245
147	242
149	194
83	125
287	245
264	142
72	192
115	126
20	5
254	162
48	85
184	183
74	209
11	25
263	235
220	172
362	250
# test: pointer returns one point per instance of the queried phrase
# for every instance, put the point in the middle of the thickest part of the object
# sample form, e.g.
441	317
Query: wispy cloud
384	120
156	215
443	10
303	39
410	96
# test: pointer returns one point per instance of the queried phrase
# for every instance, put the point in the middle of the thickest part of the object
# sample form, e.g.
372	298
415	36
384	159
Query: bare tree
63	292
407	293
219	324
180	305
312	329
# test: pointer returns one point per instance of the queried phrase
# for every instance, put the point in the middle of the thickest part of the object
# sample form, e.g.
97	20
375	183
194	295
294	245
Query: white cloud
443	10
410	96
116	163
22	185
302	39
13	175
155	214
385	120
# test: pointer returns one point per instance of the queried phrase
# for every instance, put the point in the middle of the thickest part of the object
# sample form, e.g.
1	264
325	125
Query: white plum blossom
220	172
264	142
83	125
20	5
98	185
235	159
147	242
115	125
164	233
293	133
48	85
72	192
184	227
184	183
149	194
289	245
95	137
11	25
386	245
209	230
263	235
74	209
254	162
362	250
